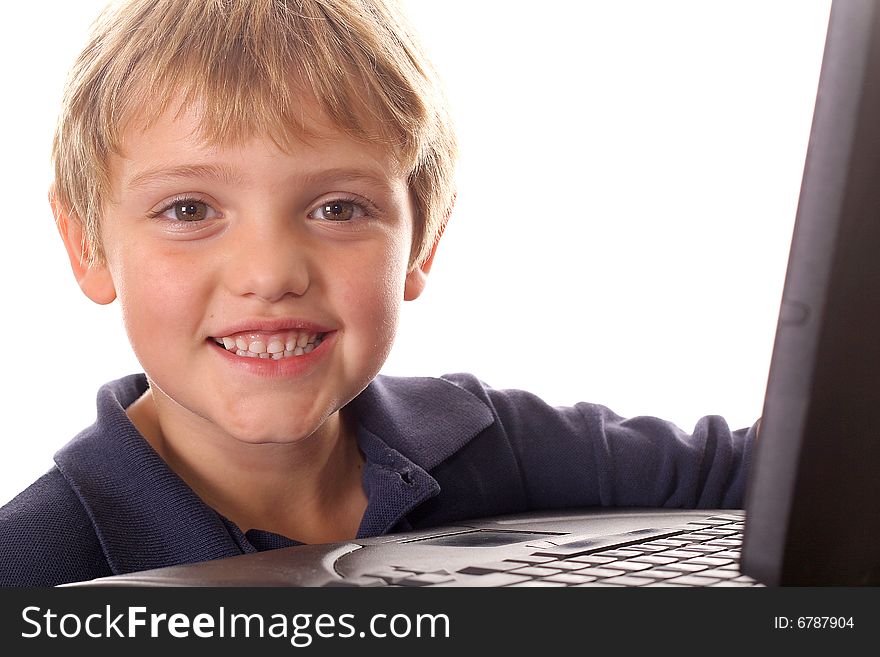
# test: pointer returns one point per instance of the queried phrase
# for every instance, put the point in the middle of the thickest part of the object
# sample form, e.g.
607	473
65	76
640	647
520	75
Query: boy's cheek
155	296
376	308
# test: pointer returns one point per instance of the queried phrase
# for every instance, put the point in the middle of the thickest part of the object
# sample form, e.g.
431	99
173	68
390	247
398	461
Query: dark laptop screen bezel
813	501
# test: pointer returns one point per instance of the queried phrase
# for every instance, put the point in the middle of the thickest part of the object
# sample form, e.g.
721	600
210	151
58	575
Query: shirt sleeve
586	455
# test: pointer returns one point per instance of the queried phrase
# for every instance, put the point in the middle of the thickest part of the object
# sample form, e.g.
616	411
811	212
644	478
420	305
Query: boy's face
217	253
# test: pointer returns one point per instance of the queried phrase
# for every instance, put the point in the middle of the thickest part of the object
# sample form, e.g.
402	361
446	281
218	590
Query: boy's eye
337	211
185	210
190	210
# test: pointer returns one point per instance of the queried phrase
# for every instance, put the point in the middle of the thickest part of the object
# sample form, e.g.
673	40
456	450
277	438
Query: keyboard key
600	583
720	532
664	583
727	554
570	578
686	567
681	554
694	580
710	561
538	582
535	571
591	559
567	565
659	573
654	559
628	580
600	572
730	582
703	548
720	573
630	566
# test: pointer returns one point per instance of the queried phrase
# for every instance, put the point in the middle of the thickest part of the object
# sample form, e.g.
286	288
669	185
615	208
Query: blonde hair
253	63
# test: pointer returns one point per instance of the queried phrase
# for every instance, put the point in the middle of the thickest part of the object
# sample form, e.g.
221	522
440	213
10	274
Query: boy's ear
417	278
94	280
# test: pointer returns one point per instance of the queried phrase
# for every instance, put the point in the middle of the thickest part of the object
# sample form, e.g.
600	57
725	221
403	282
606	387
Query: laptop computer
812	512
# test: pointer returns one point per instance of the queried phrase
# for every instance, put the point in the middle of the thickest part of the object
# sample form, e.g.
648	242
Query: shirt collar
145	516
408	426
426	419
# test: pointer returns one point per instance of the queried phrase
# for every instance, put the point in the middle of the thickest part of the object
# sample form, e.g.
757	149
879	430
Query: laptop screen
813	504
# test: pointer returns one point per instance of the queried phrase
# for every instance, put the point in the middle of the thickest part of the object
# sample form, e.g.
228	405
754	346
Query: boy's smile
260	289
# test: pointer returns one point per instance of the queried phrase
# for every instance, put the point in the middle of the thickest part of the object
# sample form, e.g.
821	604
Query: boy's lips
274	339
274	345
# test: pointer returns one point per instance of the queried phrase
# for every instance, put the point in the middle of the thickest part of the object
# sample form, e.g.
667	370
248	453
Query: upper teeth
271	345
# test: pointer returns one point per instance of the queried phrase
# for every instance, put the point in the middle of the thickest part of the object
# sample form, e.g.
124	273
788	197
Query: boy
260	185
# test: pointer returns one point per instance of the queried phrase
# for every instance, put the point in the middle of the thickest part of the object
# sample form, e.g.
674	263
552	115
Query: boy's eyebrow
162	174
230	176
376	178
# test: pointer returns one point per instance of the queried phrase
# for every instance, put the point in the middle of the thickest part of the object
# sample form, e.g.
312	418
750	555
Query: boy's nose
270	263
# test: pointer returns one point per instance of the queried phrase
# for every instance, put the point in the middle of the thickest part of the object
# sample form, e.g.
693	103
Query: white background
627	190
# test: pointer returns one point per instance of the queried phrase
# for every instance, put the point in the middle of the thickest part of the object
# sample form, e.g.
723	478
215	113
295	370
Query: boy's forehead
179	144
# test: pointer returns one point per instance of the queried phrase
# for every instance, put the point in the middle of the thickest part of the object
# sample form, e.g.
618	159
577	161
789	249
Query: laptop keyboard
703	552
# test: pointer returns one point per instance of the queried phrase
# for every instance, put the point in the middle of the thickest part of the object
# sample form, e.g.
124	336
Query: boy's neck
310	491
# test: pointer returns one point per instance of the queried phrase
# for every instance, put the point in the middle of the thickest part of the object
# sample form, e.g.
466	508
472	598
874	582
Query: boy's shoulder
46	536
467	402
432	418
457	391
460	403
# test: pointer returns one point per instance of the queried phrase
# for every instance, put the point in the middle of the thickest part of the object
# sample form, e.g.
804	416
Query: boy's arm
586	455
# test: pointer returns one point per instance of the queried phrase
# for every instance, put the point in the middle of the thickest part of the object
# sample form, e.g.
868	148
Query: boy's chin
270	435
273	432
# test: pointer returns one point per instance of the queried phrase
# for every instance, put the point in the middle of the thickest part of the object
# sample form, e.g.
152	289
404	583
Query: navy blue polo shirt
437	450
